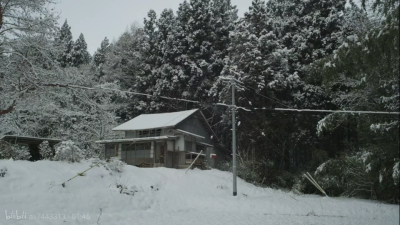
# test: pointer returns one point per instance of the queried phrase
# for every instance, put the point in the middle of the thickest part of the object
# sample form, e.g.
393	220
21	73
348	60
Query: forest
292	54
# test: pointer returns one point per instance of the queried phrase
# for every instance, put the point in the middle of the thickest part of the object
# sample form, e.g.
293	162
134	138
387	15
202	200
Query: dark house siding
193	125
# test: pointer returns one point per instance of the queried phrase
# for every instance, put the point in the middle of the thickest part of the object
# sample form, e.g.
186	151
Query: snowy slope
199	197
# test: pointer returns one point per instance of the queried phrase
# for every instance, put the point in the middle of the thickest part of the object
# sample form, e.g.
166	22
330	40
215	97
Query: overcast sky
97	19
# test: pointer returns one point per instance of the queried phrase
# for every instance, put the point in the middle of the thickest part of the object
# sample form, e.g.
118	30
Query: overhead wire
269	98
257	114
221	104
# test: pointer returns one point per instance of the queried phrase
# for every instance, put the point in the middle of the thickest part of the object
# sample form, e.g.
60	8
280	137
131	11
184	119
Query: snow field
165	196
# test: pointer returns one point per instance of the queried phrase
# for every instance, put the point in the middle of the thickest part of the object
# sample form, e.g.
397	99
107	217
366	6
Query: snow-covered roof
17	138
153	121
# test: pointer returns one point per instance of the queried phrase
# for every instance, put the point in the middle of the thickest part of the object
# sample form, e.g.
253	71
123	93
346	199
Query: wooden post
153	152
165	153
194	161
135	150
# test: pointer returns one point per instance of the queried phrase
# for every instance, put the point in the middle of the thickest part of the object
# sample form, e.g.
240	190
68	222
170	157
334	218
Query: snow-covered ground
32	191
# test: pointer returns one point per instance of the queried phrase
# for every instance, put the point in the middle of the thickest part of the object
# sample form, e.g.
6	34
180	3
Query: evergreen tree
149	52
362	74
80	55
65	44
199	51
123	62
169	71
99	55
184	54
310	29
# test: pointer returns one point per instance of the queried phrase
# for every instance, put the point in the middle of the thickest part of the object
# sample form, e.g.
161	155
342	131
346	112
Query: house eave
151	128
17	138
188	133
130	140
205	144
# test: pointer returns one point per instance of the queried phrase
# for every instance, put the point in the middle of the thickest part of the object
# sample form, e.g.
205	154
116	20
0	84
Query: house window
110	150
200	147
144	133
188	146
149	133
189	158
136	151
143	150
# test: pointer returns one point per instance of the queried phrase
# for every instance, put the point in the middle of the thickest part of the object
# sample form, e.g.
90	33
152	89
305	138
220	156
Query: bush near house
14	151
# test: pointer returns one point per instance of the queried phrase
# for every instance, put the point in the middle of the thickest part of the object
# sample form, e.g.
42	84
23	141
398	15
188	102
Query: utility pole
234	139
233	83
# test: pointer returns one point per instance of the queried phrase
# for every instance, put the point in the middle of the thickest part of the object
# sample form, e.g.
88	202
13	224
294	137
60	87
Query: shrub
114	164
21	152
68	151
370	173
3	172
123	189
45	150
5	150
15	151
282	179
93	150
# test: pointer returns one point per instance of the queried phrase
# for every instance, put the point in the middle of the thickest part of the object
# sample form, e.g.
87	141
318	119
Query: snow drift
31	193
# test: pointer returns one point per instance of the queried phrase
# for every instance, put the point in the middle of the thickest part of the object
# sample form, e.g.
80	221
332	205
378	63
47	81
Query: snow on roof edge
28	137
155	121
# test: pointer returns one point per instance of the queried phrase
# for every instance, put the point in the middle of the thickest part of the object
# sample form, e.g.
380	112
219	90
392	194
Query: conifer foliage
65	44
183	54
80	55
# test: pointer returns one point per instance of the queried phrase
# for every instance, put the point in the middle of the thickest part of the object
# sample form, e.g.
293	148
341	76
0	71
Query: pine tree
168	72
256	57
65	44
310	29
80	55
222	23
99	55
362	74
149	52
199	51
123	62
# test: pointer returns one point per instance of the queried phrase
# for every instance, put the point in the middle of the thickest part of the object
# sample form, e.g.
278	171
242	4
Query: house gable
194	125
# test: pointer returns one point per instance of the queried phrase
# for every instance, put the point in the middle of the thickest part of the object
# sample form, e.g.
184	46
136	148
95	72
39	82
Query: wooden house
170	140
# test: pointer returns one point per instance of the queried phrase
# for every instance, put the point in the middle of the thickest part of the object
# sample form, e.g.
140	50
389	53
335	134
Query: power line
226	105
327	111
269	98
311	110
129	92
